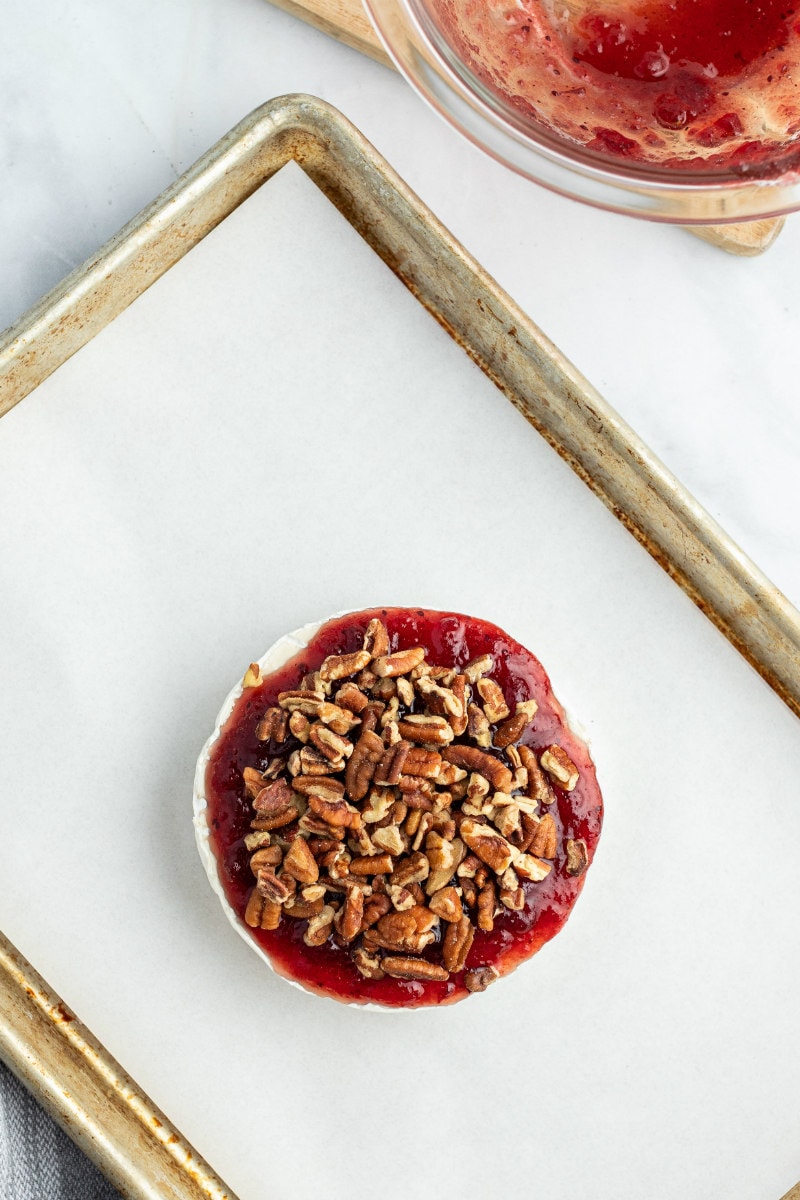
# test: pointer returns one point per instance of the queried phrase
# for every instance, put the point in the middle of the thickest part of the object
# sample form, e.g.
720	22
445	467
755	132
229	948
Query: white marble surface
103	106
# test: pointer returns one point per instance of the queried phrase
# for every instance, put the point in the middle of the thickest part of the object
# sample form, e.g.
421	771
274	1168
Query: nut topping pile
403	813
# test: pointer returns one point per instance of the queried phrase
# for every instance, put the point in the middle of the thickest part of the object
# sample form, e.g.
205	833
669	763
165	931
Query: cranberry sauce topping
451	640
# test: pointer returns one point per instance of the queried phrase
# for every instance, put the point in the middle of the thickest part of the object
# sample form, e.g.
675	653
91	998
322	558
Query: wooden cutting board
346	21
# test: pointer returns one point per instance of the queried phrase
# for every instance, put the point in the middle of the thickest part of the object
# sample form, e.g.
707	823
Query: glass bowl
636	132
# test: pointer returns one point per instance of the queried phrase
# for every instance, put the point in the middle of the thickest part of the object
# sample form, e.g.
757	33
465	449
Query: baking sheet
261	439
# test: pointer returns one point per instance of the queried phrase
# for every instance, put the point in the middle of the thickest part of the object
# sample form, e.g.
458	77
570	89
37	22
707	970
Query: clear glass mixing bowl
672	140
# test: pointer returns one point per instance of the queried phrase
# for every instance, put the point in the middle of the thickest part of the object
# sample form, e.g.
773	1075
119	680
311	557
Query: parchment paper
274	432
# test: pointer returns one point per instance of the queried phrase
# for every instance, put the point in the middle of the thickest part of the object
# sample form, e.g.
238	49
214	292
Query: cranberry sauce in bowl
394	809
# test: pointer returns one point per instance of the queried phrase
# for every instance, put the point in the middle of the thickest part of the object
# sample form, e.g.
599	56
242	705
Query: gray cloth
37	1160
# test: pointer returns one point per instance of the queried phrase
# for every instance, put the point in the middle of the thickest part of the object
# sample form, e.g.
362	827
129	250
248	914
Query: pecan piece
252	676
510	730
459	690
341	720
348	919
530	868
560	767
262	913
545	840
351	697
457	944
332	745
390	839
339	666
577	856
512	899
306	702
487	898
256	841
361	765
479	979
478	726
253	782
368	965
489	845
398	664
413	869
334	812
375	907
478	667
301	909
430	730
390	767
438	699
371	864
274	887
300	862
446	903
425	764
273	725
318	785
299	726
441	855
275	798
414	968
494	702
538	787
319	927
267	856
376	639
409	930
473	759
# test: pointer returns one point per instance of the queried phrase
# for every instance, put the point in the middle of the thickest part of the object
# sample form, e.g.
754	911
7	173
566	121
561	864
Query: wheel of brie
394	809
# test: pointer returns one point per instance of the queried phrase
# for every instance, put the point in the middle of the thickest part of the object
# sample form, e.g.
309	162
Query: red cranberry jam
401	813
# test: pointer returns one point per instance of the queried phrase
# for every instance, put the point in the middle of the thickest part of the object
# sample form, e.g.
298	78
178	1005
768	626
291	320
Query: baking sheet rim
530	371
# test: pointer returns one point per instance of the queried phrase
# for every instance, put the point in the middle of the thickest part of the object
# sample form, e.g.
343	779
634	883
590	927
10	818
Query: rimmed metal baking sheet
134	1143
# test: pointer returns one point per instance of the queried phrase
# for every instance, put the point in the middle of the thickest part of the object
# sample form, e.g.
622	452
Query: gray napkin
37	1160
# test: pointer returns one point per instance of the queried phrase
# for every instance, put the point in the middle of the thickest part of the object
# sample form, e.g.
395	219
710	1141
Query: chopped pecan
560	767
408	930
457	944
487	898
371	715
275	798
299	726
413	968
489	845
311	823
545	840
334	812
319	927
332	745
376	639
279	821
508	819
438	699
473	759
367	753
469	893
405	690
414	869
478	667
253	782
368	965
577	856
424	763
375	907
429	730
514	900
351	697
538	787
401	898
390	767
273	725
478	726
306	702
255	841
371	864
340	720
398	664
252	676
300	862
390	839
274	888
348	919
267	856
262	913
340	666
318	785
441	855
479	979
530	868
446	903
510	730
459	690
309	761
494	702
301	909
